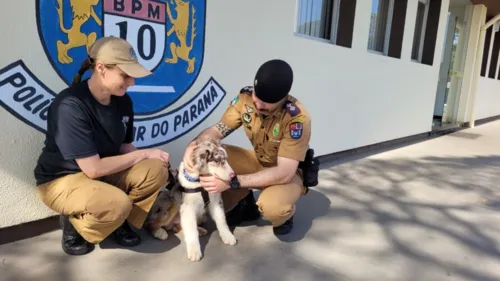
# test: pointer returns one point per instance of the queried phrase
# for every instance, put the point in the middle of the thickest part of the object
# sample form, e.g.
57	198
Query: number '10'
140	38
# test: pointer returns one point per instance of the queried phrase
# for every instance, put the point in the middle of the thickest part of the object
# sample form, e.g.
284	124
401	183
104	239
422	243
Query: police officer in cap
279	129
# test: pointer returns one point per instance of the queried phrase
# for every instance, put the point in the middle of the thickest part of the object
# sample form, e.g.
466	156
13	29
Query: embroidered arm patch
235	100
292	109
296	130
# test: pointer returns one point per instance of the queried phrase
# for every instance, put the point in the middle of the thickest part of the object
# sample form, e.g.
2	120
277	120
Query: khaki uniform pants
98	207
276	203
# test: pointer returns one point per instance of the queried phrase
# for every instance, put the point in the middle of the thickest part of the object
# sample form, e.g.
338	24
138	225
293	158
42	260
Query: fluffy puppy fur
164	215
209	158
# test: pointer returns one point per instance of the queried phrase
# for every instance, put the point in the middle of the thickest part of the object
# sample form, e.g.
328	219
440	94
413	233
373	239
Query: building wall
488	98
488	91
355	97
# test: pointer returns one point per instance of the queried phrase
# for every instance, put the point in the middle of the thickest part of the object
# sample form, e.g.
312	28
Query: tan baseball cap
119	52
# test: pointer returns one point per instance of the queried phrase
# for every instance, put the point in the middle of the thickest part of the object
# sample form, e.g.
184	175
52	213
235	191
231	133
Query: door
444	72
455	75
450	74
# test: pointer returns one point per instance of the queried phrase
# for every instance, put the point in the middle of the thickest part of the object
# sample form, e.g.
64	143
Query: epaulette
247	90
292	109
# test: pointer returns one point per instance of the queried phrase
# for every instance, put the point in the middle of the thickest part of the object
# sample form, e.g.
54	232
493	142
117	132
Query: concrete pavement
428	211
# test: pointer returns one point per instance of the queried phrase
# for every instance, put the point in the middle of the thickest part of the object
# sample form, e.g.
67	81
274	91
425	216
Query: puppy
164	215
209	158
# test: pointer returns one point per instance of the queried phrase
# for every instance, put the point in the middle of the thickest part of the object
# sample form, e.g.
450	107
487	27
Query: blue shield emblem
168	37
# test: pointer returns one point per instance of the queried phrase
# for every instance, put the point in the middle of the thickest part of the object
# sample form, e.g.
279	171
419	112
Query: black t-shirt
79	126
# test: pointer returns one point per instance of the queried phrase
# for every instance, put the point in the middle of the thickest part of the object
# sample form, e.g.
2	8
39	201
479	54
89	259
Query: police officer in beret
279	129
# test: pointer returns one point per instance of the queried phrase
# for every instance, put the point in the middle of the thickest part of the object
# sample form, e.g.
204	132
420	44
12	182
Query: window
316	18
387	25
425	32
491	53
327	20
420	27
380	26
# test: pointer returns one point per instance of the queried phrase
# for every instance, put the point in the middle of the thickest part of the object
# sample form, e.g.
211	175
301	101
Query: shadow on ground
429	218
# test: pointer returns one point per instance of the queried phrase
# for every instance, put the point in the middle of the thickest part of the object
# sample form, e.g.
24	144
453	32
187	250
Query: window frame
335	21
423	31
334	24
388	27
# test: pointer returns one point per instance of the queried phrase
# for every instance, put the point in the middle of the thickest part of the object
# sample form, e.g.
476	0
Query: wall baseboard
28	229
371	149
480	122
38	227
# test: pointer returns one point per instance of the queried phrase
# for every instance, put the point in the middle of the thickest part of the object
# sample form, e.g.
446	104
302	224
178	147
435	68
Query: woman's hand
157	154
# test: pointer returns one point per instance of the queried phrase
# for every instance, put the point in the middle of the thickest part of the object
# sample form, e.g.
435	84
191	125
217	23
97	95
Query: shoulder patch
292	109
296	130
235	100
247	90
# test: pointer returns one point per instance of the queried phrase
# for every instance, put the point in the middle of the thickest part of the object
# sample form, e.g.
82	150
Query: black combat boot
125	236
246	210
72	242
284	228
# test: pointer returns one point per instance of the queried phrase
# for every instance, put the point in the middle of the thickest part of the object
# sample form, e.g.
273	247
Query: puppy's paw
177	228
202	231
160	233
228	238
193	252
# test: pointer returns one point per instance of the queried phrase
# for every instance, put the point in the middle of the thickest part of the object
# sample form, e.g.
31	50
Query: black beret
273	81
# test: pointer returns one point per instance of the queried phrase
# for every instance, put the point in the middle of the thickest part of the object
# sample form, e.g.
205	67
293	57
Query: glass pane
417	35
315	18
378	25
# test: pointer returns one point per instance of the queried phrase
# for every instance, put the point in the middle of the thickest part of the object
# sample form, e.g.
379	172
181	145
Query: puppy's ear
218	157
201	157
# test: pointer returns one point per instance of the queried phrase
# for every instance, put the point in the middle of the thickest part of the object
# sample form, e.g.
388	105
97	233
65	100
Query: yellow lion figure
82	11
180	26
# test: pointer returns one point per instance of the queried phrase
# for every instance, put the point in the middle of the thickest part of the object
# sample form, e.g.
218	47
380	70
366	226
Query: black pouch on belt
310	169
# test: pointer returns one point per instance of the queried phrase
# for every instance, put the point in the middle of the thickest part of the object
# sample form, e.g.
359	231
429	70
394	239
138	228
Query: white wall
488	89
356	98
488	98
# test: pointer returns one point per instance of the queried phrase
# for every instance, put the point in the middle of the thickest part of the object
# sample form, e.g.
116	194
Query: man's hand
210	133
188	157
213	184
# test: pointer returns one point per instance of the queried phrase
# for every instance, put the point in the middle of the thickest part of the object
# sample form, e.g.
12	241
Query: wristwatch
234	182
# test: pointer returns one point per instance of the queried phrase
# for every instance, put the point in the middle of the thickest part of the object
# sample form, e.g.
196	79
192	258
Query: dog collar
188	177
